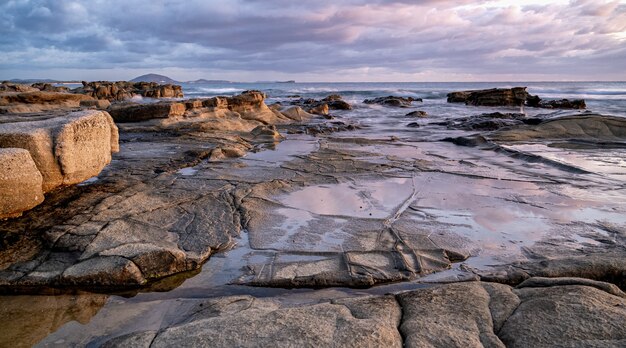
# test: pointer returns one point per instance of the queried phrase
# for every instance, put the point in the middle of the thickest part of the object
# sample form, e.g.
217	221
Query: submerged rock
417	113
392	101
322	107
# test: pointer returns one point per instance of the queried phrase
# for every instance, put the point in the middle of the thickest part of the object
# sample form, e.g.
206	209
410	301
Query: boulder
515	96
336	102
321	107
392	101
296	113
68	149
20	182
101	104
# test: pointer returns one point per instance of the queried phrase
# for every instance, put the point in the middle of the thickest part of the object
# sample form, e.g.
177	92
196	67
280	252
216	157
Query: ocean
607	98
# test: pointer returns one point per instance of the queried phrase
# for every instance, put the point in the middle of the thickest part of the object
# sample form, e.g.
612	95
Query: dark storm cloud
580	39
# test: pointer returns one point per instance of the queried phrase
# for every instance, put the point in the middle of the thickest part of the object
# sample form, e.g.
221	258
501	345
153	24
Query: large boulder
20	182
67	149
515	96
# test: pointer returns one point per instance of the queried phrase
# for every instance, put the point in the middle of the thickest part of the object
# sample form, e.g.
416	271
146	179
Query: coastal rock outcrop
323	106
470	314
393	101
241	113
20	182
585	127
516	96
122	90
31	102
66	149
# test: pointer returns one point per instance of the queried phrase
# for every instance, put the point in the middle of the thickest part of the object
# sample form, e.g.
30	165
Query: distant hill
29	81
209	81
153	78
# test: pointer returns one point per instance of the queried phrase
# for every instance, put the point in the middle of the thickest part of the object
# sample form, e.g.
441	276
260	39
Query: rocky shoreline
175	195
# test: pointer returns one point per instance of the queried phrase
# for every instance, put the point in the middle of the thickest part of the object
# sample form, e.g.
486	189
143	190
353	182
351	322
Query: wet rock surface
393	101
516	96
471	314
266	203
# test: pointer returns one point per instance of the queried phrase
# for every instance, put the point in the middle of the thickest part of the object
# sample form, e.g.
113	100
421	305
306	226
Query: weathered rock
266	134
568	316
321	107
29	102
296	113
413	125
16	87
122	90
244	321
563	104
143	112
101	104
66	150
417	113
20	182
491	97
455	315
336	102
538	282
392	101
590	127
46	87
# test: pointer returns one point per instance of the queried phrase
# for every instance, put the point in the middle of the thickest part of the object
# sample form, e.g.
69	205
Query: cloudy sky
321	40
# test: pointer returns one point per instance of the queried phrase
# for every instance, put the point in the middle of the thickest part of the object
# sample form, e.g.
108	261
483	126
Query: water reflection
26	320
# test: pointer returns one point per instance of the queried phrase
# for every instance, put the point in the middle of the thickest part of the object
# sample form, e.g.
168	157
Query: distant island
154	78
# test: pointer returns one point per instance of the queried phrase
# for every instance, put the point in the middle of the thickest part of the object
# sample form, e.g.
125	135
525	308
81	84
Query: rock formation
20	182
62	150
516	96
471	314
122	90
393	101
322	107
491	97
32	102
